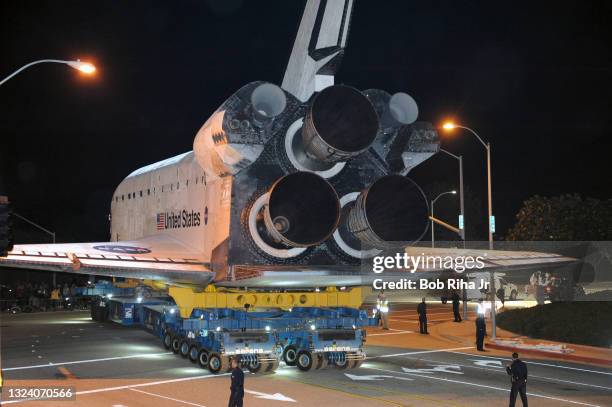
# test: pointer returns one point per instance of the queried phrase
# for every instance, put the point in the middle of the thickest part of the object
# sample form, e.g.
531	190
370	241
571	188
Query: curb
564	356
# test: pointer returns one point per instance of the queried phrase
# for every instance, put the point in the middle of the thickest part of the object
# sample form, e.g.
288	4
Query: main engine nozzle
391	213
302	210
340	123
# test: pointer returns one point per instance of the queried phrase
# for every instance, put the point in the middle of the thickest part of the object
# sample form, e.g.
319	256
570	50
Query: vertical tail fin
318	48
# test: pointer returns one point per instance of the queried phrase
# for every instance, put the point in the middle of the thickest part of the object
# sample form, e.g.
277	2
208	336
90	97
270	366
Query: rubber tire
342	366
194	351
257	367
167	340
513	295
176	344
200	361
304	360
217	363
272	366
184	348
293	351
321	361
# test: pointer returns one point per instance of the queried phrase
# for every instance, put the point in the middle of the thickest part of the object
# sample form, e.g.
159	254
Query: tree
563	218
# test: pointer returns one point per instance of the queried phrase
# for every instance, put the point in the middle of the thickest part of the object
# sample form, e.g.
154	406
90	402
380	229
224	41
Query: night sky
533	78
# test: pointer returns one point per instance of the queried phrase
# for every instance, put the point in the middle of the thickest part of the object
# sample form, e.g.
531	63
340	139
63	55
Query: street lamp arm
81	66
26	66
35	225
486	145
441	195
456	157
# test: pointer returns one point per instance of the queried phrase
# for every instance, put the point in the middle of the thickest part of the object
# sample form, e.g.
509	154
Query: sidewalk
445	334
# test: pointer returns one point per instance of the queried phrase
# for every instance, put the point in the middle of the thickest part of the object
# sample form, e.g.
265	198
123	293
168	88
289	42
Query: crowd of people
36	296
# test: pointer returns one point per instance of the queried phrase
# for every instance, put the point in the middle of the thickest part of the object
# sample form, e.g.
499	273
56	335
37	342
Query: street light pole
459	158
432	214
84	67
487	146
490	197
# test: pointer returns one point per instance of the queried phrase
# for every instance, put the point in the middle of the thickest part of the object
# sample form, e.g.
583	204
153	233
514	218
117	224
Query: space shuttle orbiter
286	187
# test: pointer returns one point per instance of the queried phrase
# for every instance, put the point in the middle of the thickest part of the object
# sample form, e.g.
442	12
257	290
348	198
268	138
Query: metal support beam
446	225
186	299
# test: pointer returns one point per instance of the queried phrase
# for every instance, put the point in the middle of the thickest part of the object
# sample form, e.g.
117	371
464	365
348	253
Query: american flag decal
161	221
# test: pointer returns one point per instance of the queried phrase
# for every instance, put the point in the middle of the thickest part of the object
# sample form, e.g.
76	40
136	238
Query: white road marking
169	398
455	369
275	396
374	377
75	362
487	363
131	386
484	386
417	352
530	375
538	363
397	332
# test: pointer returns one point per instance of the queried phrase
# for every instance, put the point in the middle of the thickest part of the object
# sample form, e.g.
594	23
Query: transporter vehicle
310	337
287	190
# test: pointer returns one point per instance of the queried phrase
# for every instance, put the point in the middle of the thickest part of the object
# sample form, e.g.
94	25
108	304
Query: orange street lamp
84	67
451	126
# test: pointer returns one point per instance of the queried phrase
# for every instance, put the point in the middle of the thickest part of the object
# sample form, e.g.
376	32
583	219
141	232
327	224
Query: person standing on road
481	331
382	304
517	371
422	311
456	307
55	297
237	386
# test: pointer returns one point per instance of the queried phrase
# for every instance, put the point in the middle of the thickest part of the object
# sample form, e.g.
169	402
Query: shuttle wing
288	276
159	258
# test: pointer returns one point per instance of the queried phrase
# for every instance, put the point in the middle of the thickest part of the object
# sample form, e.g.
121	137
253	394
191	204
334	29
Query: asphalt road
111	365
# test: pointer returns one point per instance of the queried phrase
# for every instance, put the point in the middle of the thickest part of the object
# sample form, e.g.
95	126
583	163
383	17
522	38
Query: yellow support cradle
187	299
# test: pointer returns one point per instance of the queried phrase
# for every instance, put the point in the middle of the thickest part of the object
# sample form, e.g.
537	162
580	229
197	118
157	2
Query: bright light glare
453	192
139	299
448	126
84	67
267	328
313	327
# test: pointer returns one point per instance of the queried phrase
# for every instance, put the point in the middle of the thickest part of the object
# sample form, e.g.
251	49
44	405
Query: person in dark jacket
517	371
456	307
481	331
422	311
237	386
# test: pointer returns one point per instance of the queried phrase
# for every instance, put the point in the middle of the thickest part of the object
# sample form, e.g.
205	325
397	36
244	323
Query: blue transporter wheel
203	358
290	355
184	348
194	351
304	360
218	363
176	344
167	340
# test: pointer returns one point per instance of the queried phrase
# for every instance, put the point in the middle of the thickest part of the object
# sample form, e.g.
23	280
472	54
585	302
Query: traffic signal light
6	226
